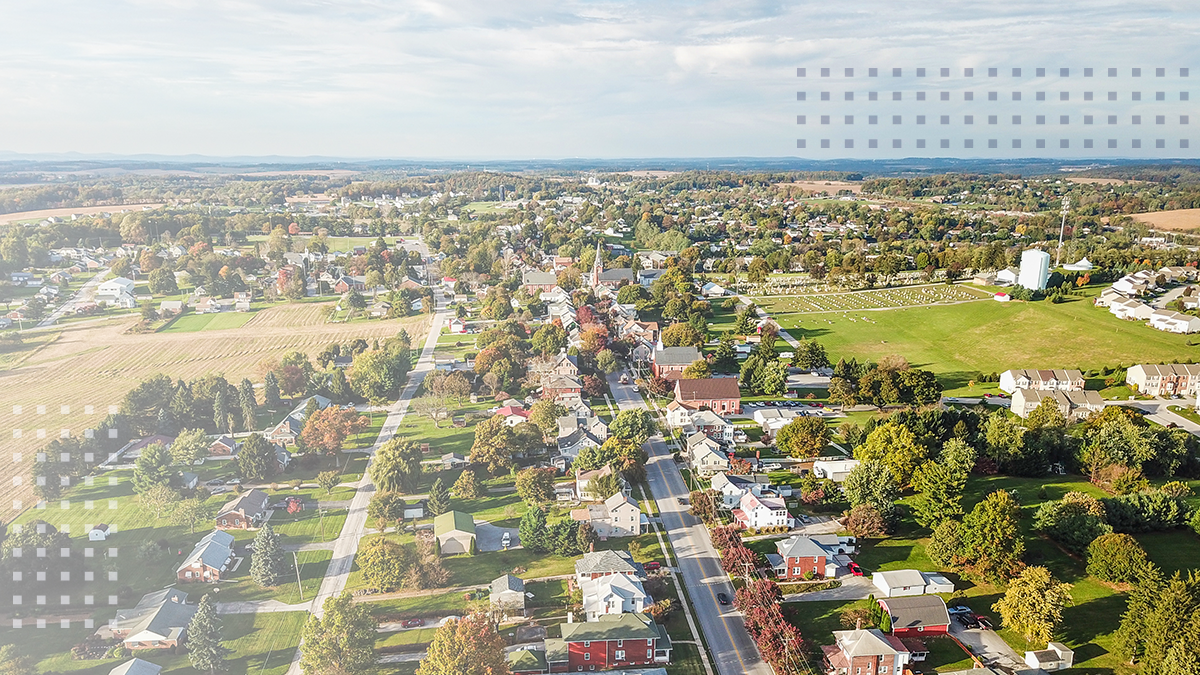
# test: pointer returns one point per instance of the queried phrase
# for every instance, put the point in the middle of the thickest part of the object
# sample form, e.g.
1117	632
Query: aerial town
652	422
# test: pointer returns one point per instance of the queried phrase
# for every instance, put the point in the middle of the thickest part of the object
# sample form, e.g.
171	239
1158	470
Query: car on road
234	481
635	388
413	623
506	539
722	598
855	569
215	481
652	565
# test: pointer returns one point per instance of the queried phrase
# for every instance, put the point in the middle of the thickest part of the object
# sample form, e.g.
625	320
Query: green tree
341	641
606	362
1046	415
386	508
267	563
545	413
991	539
158	499
271	391
248	404
941	486
804	437
204	648
256	460
536	486
468	486
190	445
493	444
383	564
725	356
1117	558
697	370
466	646
221	410
191	513
896	447
1033	604
604	486
397	466
945	545
872	483
681	335
549	339
152	468
162	282
328	480
532	531
1073	522
439	498
634	424
13	662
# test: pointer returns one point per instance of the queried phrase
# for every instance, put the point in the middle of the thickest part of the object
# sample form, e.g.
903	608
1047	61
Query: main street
733	652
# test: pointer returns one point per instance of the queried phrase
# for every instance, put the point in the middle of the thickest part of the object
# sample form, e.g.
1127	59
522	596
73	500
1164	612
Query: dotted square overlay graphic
1014	111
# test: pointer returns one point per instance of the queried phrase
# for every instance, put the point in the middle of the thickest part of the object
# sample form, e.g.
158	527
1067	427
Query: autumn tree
536	486
468	486
1033	604
326	430
493	442
397	466
341	641
466	646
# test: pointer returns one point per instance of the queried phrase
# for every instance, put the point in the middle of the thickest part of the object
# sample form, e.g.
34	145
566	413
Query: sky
478	79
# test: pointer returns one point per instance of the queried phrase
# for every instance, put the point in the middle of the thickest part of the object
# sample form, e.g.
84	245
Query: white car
506	540
772	466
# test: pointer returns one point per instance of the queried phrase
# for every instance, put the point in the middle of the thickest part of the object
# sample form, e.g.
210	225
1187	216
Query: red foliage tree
326	430
592	386
739	560
725	537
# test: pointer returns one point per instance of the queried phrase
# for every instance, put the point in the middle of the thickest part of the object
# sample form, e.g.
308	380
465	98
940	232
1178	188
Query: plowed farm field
70	383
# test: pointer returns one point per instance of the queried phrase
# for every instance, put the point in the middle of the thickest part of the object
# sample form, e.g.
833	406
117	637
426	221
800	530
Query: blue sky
541	78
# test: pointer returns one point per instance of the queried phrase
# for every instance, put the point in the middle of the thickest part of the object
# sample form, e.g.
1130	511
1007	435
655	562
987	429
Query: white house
1164	380
613	594
1072	404
1130	310
835	470
1174	322
114	287
583	478
1007	277
711	290
897	583
706	455
733	488
618	516
1056	656
508	595
1062	380
758	512
1130	286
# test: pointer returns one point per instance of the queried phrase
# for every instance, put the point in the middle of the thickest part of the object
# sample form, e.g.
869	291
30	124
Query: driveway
852	588
989	647
488	536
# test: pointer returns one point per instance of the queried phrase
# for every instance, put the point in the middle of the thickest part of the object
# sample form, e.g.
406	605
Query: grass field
886	298
191	323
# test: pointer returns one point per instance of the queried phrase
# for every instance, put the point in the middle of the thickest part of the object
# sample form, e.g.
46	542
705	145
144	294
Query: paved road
852	588
1156	411
85	292
734	653
762	314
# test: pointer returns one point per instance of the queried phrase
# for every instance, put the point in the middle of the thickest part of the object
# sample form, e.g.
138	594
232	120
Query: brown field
95	365
652	174
81	210
830	186
1182	219
328	173
1084	180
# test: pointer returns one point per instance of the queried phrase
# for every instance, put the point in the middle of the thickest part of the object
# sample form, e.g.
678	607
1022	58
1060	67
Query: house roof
214	550
161	613
509	410
801	546
597	591
917	610
707	389
527	661
557	381
901	578
453	521
635	626
536	278
556	650
617	274
251	503
676	356
867	642
136	667
508	583
619	499
601	562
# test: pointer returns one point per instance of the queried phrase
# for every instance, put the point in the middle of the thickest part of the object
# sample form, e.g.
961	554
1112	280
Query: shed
917	616
508	594
896	583
936	583
1056	656
98	533
455	533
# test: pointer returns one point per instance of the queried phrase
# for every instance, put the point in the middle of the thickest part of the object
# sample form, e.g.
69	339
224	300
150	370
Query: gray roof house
508	594
209	559
160	619
597	564
136	667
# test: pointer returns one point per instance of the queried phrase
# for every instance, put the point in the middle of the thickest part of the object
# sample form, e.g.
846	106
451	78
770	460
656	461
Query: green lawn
191	323
312	572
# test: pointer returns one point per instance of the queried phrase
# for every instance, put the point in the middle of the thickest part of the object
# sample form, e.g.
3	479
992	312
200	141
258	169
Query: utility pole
1066	206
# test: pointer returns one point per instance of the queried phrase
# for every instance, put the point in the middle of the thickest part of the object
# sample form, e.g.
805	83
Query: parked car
215	481
984	622
966	620
855	569
722	598
234	481
413	623
959	609
651	566
506	540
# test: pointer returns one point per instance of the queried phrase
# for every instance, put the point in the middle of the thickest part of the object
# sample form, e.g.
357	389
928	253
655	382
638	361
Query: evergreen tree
439	498
468	486
205	650
220	409
152	468
339	388
183	407
267	562
248	402
164	425
271	391
532	531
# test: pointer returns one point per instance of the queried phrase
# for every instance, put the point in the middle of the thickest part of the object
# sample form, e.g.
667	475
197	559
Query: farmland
191	323
1182	219
71	382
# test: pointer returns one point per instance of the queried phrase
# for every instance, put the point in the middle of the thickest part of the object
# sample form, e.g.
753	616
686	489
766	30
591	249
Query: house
1007	276
811	556
862	651
452	460
1164	380
1107	297
733	488
99	533
918	616
613	594
345	284
617	516
188	480
612	641
1056	656
577	432
1174	322
1072	404
670	362
1042	380
896	583
246	511
136	667
209	560
455	533
458	326
114	288
712	425
1131	310
835	470
1130	286
718	394
596	564
508	595
534	281
380	309
158	621
583	478
705	455
527	661
224	446
565	364
134	450
288	430
513	415
646	331
170	307
757	512
557	386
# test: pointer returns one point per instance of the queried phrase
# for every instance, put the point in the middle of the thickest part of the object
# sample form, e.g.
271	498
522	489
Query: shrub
1117	558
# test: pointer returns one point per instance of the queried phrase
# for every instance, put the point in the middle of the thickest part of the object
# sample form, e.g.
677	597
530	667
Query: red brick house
796	556
248	510
917	616
719	394
612	641
224	446
211	558
670	362
557	386
865	651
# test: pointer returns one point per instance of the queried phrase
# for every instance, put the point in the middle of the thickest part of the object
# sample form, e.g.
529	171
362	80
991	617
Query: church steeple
597	267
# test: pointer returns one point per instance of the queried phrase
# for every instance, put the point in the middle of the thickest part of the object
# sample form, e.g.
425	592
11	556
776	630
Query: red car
651	566
855	569
413	623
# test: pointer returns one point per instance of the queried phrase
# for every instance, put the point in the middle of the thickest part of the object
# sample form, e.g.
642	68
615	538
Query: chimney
570	617
858	624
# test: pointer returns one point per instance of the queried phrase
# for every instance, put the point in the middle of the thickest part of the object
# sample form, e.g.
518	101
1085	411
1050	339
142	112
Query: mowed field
95	365
1182	219
830	186
960	341
82	210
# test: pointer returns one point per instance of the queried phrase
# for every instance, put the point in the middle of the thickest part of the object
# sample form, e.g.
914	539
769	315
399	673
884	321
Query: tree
158	499
397	466
697	370
1117	558
221	410
204	647
492	446
895	446
1046	415
385	508
248	405
634	424
328	480
162	282
327	429
725	356
378	374
191	512
545	413
13	662
256	460
468	486
383	564
604	486
804	437
865	520
341	641
991	539
810	355
152	468
439	498
681	335
466	646
190	445
1033	604
271	391
1073	522
267	563
872	483
536	486
532	531
606	362
739	561
585	537
941	485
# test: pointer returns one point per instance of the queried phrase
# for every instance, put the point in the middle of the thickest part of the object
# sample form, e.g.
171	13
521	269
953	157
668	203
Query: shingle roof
707	389
252	502
864	642
918	610
451	521
162	613
527	660
676	356
611	627
599	562
508	583
800	547
899	578
136	667
211	551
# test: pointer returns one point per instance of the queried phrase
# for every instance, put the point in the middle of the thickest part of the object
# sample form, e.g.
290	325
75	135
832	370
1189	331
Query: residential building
557	386
248	510
136	667
534	281
865	651
733	488
1164	380
918	616
896	583
288	430
617	516
613	594
719	394
565	364
527	661
158	621
513	415
596	564
757	512
819	555
612	641
209	560
224	446
705	455
1174	322
455	533
836	470
584	478
576	432
508	595
670	362
1056	656
1130	310
1042	380
1072	404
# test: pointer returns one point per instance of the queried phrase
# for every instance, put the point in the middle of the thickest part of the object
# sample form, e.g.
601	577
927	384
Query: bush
1116	558
1146	512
